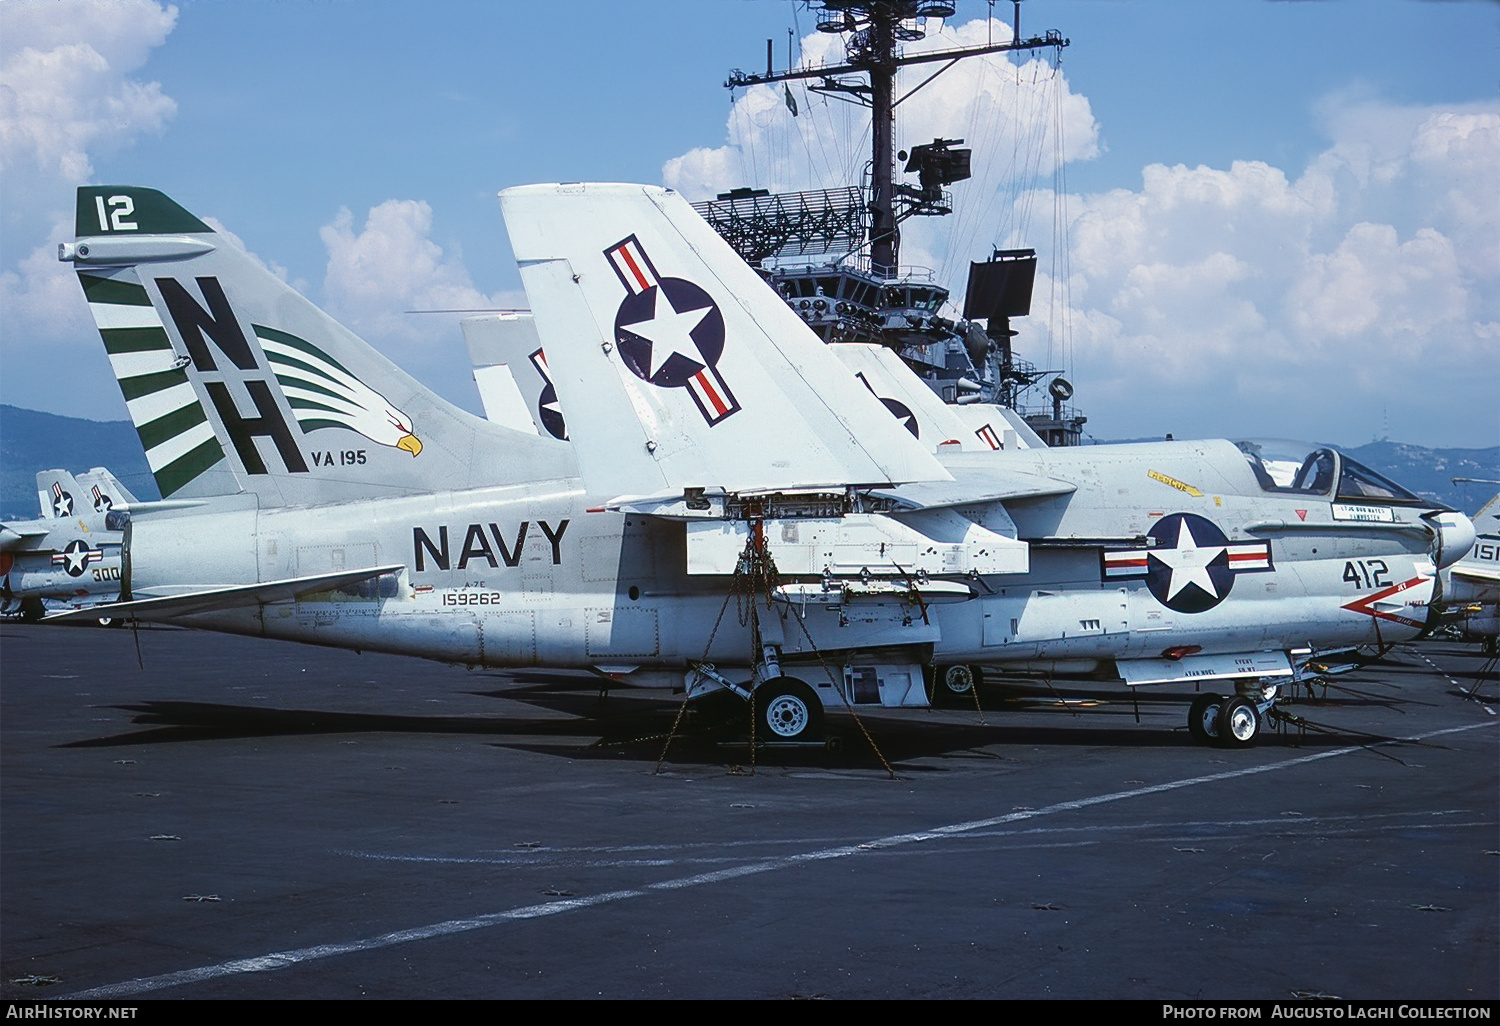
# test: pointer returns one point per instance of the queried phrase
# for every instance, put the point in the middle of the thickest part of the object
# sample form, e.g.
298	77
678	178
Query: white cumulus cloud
1245	301
390	266
66	94
65	88
1317	302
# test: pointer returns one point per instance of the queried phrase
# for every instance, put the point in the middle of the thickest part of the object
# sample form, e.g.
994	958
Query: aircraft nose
1452	537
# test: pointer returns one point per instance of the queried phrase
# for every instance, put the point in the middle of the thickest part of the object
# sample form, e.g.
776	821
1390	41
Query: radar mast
858	290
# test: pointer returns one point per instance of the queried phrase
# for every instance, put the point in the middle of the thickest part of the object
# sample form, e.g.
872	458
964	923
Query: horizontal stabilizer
171	607
161	505
979	480
1475	572
844	592
15	536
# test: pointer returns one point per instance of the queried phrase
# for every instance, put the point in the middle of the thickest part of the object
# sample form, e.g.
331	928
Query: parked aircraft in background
1471	586
104	492
510	370
315	492
70	558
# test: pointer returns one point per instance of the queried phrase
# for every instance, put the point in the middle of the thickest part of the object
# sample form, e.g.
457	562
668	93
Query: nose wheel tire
1203	718
788	710
1239	723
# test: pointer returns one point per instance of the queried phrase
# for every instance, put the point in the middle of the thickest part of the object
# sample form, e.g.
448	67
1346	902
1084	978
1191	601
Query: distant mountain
1428	472
32	441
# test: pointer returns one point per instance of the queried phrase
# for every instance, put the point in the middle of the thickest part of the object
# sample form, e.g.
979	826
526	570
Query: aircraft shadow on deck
582	723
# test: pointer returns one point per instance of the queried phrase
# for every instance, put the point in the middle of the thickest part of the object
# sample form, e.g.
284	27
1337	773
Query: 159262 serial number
471	598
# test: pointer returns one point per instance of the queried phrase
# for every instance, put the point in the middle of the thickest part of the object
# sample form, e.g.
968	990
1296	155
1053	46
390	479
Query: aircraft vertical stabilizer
105	491
917	408
658	329
510	368
59	495
237	384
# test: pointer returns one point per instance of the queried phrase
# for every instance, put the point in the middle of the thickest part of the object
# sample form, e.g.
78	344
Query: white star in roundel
670	331
76	558
62	505
1189	563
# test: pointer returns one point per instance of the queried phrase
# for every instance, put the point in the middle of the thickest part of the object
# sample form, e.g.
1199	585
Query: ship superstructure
834	254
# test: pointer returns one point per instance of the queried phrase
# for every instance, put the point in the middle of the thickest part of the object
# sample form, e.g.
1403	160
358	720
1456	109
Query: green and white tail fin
238	384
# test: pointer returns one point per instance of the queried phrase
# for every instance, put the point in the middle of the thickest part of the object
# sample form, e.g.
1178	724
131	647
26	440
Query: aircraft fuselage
538	576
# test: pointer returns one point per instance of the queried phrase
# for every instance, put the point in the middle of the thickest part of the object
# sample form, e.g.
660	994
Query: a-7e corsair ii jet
71	557
339	502
1471	586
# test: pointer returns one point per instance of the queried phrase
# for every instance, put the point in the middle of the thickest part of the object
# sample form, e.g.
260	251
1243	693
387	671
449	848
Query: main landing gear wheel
1239	723
789	710
1203	718
954	683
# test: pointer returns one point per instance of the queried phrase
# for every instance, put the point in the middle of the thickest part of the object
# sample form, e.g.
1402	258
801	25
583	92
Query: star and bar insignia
547	409
1191	565
670	332
76	557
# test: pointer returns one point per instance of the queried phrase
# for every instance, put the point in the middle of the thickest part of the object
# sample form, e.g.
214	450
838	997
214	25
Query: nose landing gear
1239	723
1232	722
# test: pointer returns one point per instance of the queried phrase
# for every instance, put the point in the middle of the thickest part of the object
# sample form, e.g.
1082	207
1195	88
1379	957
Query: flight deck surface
253	819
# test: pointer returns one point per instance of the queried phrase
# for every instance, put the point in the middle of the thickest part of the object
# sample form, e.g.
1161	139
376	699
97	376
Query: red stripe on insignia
635	269
711	393
630	264
1125	562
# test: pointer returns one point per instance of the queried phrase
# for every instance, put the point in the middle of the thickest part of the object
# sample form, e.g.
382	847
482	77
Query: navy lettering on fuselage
421	542
477	548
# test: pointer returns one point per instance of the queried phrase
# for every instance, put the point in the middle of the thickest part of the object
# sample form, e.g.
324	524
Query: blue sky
1283	217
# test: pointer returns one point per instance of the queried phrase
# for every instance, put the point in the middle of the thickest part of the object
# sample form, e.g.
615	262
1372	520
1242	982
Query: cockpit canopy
1297	468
